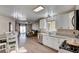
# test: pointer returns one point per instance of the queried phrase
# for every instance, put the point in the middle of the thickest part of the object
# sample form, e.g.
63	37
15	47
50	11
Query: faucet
76	35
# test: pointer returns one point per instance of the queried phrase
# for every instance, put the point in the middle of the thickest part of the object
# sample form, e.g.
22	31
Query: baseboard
49	47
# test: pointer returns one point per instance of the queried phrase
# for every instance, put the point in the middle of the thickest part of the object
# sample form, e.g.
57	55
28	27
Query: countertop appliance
75	20
71	48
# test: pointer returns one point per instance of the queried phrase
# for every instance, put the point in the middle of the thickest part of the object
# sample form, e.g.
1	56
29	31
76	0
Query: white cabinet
43	25
53	41
46	40
42	37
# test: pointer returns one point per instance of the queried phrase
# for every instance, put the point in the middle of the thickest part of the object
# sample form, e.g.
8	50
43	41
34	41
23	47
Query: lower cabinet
52	42
56	43
46	40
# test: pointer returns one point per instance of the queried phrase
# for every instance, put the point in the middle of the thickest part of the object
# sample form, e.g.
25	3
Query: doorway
22	36
23	29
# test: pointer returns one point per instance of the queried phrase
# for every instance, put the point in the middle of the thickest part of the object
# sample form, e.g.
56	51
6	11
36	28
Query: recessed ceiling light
38	9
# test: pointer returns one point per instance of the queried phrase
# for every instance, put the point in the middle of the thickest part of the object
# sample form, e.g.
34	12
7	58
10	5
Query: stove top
71	48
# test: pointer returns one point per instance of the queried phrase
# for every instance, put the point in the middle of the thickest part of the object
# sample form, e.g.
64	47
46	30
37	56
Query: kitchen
63	36
55	27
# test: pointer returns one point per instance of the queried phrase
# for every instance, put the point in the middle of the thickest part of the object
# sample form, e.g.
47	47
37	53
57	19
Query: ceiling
27	10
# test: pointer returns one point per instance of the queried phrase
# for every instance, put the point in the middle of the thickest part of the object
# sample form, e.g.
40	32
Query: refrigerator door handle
73	21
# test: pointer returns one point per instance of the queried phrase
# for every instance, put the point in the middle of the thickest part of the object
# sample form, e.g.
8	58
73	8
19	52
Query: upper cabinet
61	21
47	25
43	25
64	20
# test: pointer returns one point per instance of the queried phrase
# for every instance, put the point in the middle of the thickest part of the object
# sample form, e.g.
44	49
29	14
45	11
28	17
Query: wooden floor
32	46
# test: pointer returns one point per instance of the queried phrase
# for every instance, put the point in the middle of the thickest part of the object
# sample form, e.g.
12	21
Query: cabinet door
45	40
61	40
57	43
53	43
40	37
49	41
43	24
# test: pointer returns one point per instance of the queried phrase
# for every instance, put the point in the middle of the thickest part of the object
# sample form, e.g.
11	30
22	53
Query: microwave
75	20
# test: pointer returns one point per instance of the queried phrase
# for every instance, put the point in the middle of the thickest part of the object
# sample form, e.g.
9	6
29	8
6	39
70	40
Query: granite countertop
62	33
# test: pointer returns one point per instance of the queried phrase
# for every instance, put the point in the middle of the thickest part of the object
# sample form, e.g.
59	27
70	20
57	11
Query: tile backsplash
67	32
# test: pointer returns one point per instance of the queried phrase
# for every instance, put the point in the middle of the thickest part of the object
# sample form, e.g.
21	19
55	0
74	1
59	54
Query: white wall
4	24
35	26
77	7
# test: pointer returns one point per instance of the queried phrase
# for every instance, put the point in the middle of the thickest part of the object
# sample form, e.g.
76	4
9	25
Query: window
51	26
